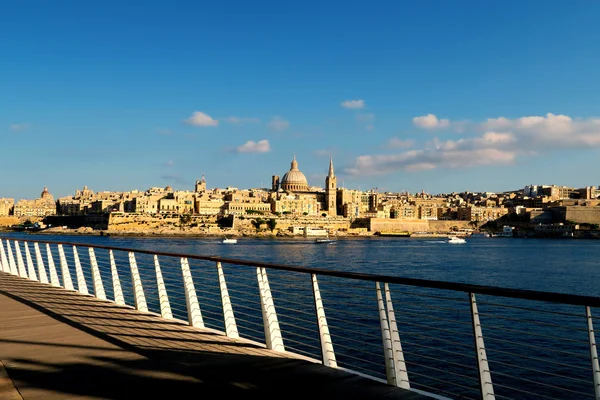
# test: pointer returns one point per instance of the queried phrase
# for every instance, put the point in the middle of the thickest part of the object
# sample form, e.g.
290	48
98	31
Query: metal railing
416	334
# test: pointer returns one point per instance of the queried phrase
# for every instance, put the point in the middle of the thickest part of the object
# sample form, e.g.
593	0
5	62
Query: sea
535	349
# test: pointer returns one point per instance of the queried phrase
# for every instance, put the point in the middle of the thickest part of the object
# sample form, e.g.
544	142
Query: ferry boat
229	240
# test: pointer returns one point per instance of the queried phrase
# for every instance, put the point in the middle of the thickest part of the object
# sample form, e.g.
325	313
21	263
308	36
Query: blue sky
429	95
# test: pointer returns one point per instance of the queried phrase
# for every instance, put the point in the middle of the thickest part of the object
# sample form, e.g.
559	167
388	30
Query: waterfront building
6	206
41	207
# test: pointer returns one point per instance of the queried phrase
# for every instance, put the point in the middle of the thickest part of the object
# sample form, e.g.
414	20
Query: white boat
456	240
229	241
325	240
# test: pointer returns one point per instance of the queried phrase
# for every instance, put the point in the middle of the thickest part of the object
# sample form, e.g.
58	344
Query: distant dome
294	180
168	189
45	193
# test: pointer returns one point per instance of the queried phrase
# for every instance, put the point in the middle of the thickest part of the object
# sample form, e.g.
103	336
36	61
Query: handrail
552	297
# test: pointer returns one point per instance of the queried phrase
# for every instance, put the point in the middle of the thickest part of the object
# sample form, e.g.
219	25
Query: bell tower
330	190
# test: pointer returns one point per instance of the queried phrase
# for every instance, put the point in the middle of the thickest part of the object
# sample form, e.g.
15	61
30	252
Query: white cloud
397	143
242	120
323	153
199	118
370	127
499	141
278	124
262	146
353	104
430	121
19	127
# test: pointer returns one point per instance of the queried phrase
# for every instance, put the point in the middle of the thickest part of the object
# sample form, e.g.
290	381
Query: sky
437	96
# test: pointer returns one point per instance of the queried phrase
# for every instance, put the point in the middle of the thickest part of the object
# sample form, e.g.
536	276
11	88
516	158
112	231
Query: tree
272	224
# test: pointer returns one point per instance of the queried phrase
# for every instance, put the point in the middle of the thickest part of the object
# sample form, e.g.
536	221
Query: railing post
138	290
273	338
30	267
485	378
64	269
11	259
96	278
327	353
3	259
163	298
593	353
228	316
53	275
22	271
388	352
191	300
81	285
399	364
40	263
119	299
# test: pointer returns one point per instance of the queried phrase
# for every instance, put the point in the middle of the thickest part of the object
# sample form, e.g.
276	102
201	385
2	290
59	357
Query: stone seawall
414	225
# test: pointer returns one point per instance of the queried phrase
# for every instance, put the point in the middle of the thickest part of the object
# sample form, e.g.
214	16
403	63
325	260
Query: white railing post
388	352
118	292
11	259
30	267
53	275
20	264
64	269
399	363
163	298
593	353
81	285
228	316
138	290
96	278
4	260
40	263
191	300
328	355
273	338
485	377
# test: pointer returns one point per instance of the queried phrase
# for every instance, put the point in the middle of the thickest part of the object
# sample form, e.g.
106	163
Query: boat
456	240
229	241
326	240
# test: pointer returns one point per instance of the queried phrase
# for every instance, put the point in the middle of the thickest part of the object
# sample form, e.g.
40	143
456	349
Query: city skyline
434	97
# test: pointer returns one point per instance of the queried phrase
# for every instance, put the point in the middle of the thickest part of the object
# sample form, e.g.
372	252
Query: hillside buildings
41	207
292	195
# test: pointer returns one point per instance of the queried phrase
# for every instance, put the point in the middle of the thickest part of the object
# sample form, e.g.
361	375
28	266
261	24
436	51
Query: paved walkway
58	344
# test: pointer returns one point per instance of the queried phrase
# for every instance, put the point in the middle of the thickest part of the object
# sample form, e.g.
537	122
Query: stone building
41	207
6	206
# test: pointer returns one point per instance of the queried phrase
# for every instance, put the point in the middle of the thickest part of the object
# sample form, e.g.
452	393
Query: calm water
435	325
566	266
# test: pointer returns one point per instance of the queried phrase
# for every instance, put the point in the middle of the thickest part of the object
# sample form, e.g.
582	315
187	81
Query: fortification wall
414	225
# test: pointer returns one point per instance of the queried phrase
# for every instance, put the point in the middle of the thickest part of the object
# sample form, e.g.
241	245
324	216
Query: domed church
294	180
292	194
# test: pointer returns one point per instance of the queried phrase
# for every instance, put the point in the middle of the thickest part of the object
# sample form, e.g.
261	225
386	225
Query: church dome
294	180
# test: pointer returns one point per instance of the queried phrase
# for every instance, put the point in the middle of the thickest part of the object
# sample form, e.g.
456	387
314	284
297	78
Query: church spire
331	167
